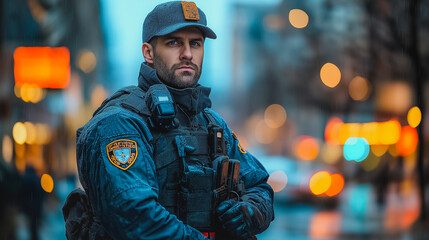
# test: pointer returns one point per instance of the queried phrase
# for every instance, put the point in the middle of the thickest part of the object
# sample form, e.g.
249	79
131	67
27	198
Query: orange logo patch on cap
190	11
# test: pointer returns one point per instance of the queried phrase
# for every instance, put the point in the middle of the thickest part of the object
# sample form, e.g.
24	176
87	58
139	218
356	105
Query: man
152	157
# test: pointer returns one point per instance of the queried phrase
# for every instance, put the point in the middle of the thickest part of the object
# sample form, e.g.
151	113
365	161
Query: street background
330	95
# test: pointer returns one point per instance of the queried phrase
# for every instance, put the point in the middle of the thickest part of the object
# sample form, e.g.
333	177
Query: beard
181	80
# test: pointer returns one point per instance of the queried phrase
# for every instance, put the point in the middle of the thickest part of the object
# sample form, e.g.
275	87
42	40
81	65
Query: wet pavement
356	217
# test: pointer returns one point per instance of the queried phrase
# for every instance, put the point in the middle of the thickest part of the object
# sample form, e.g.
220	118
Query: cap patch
122	153
190	11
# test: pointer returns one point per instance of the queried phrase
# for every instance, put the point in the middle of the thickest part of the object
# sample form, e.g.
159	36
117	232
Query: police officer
151	158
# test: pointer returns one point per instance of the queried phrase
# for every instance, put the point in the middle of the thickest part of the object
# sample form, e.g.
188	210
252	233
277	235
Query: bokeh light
264	134
379	150
359	88
274	22
320	182
306	147
408	141
20	150
390	132
19	133
7	149
298	18
332	130
17	91
370	163
20	164
330	153
356	149
43	132
86	61
325	225
330	75
349	130
414	117
394	97
30	93
275	116
31	133
98	96
393	151
369	131
47	183
337	185
277	180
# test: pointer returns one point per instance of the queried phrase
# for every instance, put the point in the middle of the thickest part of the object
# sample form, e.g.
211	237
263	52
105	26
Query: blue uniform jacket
125	201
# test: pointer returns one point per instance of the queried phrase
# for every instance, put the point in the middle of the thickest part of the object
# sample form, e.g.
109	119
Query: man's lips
186	68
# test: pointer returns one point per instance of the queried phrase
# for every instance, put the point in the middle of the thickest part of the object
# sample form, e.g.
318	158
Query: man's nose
186	53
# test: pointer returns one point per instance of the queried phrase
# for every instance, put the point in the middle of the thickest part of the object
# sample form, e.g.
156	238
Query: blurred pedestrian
32	196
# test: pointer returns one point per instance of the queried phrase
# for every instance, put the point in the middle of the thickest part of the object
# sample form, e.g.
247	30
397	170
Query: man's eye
174	42
195	43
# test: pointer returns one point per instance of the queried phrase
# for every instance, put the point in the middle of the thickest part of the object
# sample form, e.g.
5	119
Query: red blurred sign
45	67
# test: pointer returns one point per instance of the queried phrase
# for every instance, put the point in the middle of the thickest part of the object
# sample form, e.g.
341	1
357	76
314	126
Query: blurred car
290	180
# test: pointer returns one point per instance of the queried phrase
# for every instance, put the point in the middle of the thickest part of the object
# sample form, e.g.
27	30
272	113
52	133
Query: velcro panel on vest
199	142
196	210
165	145
196	202
200	181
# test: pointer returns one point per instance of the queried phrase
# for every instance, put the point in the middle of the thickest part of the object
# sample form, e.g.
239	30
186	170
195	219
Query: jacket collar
192	100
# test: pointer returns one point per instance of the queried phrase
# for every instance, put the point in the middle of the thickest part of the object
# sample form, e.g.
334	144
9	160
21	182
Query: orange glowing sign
44	67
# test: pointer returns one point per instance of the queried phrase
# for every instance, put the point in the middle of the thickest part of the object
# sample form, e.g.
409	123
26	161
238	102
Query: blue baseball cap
171	16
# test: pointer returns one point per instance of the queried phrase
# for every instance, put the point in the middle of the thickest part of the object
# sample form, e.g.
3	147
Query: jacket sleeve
124	196
258	192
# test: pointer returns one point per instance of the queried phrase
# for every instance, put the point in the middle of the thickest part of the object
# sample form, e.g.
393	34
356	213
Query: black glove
239	219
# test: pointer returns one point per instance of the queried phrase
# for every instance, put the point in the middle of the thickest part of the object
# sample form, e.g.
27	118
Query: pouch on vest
195	197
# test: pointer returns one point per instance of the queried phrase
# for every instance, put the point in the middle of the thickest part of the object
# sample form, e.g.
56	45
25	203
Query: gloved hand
239	219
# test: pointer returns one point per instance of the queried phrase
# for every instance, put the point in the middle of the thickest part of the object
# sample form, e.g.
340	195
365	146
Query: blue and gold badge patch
122	153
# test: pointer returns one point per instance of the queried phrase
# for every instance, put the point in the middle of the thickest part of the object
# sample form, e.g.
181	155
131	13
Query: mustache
178	65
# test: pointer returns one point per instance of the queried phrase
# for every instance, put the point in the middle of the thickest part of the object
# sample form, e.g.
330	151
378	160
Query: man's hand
238	218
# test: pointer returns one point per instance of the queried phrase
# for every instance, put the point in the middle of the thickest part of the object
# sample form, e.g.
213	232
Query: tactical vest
182	158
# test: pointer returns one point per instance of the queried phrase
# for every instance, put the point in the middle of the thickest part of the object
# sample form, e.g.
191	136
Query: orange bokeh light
306	148
337	184
390	132
332	130
320	182
44	67
408	141
330	75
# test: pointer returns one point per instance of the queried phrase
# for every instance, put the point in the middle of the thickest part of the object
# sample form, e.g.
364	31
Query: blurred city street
331	96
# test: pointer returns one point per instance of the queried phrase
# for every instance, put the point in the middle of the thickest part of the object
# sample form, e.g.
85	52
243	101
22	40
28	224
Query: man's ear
148	52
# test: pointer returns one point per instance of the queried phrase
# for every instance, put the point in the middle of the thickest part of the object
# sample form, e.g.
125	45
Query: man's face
178	57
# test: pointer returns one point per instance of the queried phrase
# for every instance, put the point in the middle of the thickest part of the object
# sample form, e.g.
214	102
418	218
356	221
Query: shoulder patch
122	153
242	150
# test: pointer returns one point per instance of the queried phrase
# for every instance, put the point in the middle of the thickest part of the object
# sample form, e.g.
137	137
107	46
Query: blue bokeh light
356	149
